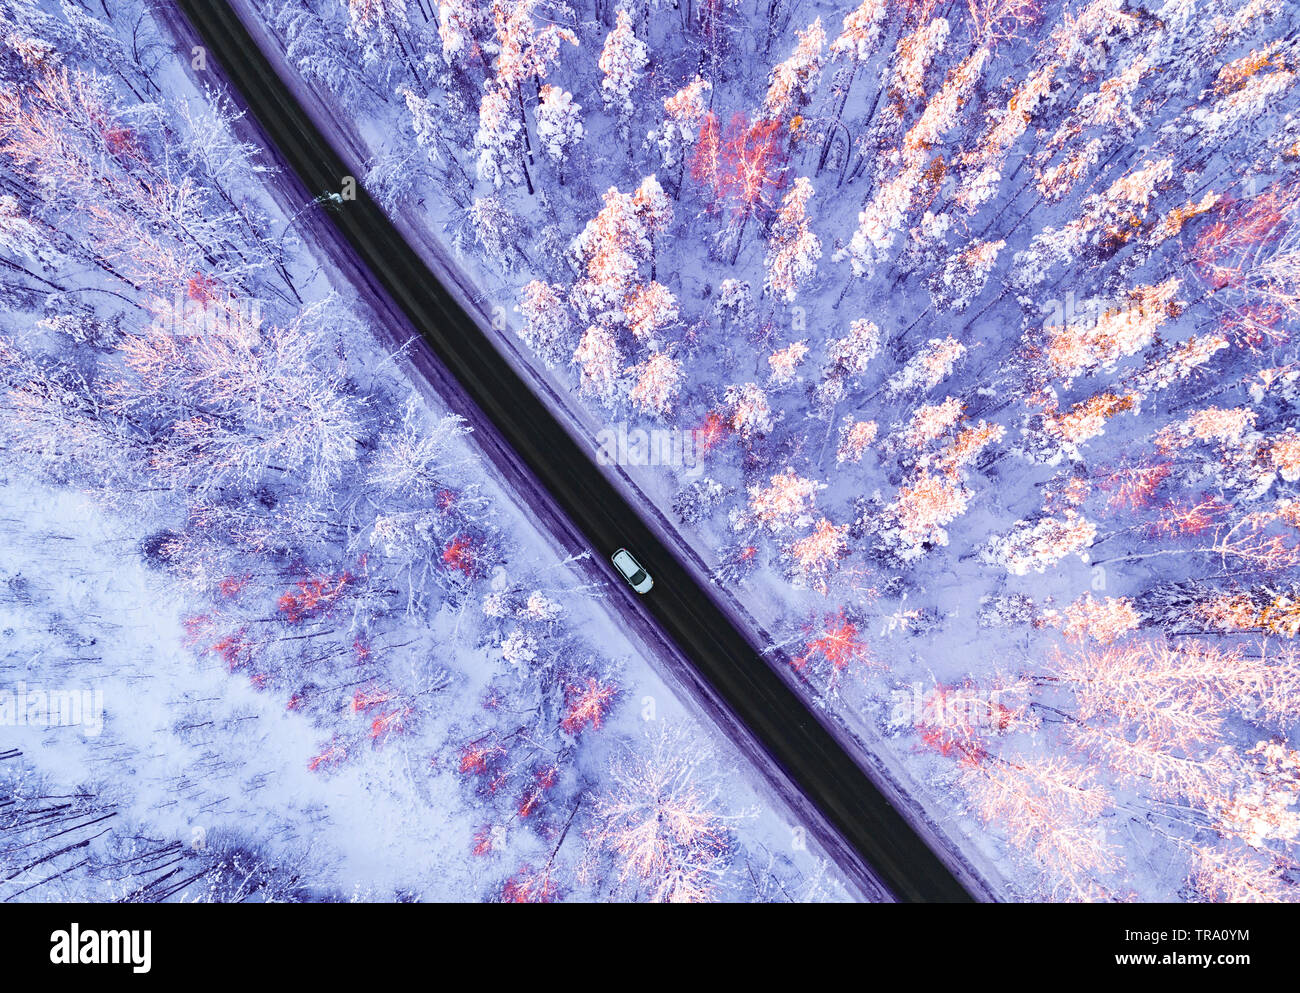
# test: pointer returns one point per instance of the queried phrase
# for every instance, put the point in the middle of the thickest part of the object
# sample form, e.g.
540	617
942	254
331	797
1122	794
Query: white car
631	570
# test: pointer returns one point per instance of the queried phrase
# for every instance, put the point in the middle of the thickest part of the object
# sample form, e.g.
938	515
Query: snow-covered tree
547	323
559	127
684	112
1043	543
816	555
963	275
785	362
413	459
914	55
750	413
658	380
427	121
499	140
920	513
649	308
622	62
601	362
792	82
860	32
784	504
792	248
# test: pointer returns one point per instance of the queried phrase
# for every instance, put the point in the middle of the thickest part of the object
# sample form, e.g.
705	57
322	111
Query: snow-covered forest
272	626
970	325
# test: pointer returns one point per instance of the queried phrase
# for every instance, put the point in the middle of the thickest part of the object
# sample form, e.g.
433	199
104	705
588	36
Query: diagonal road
873	843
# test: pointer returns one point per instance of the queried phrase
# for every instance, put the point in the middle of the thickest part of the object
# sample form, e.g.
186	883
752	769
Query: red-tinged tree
754	167
834	648
1256	327
313	596
334	754
197	627
544	780
202	289
389	723
482	841
961	720
706	162
479	757
528	886
1248	254
234	649
1182	518
368	698
463	554
587	704
711	433
231	586
1133	486
743	169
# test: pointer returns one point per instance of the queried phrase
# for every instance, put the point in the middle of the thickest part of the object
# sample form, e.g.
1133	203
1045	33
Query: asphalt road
857	825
